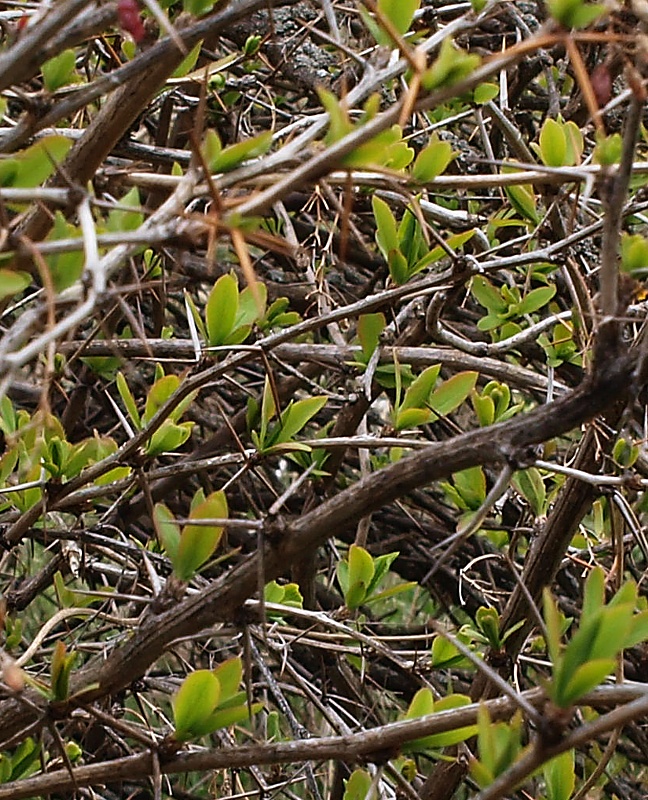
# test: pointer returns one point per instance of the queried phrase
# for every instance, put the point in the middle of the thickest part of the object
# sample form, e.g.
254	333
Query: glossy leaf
421	704
38	162
487	295
452	393
230	675
418	393
357	786
167	529
194	702
370	326
452	65
128	400
225	717
221	309
230	157
198	542
523	200
399	12
530	485
158	394
168	437
536	299
59	71
13	282
559	776
574	13
297	415
386	230
432	160
553	145
121	220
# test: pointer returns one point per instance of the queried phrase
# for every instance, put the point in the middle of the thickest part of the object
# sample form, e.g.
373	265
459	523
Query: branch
348	747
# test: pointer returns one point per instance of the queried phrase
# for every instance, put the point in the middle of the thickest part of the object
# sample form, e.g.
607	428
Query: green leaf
370	326
168	437
487	295
419	392
230	675
559	776
432	160
553	144
399	12
194	702
412	417
447	738
38	162
485	92
422	704
381	568
211	147
158	394
530	485
488	622
484	408
66	598
128	400
451	66
452	393
167	529
120	220
535	299
357	786
189	61
221	309
339	124
273	593
297	415
65	268
398	267
456	241
361	571
390	592
574	13
268	410
198	542
62	663
230	157
59	71
225	717
574	141
634	253
593	595
585	678
386	149
470	483
410	237
248	310
638	633
613	629
13	282
292	596
523	200
608	149
386	231
198	7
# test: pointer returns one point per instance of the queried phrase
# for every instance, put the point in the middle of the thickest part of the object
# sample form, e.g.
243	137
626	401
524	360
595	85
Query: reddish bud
128	12
601	81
